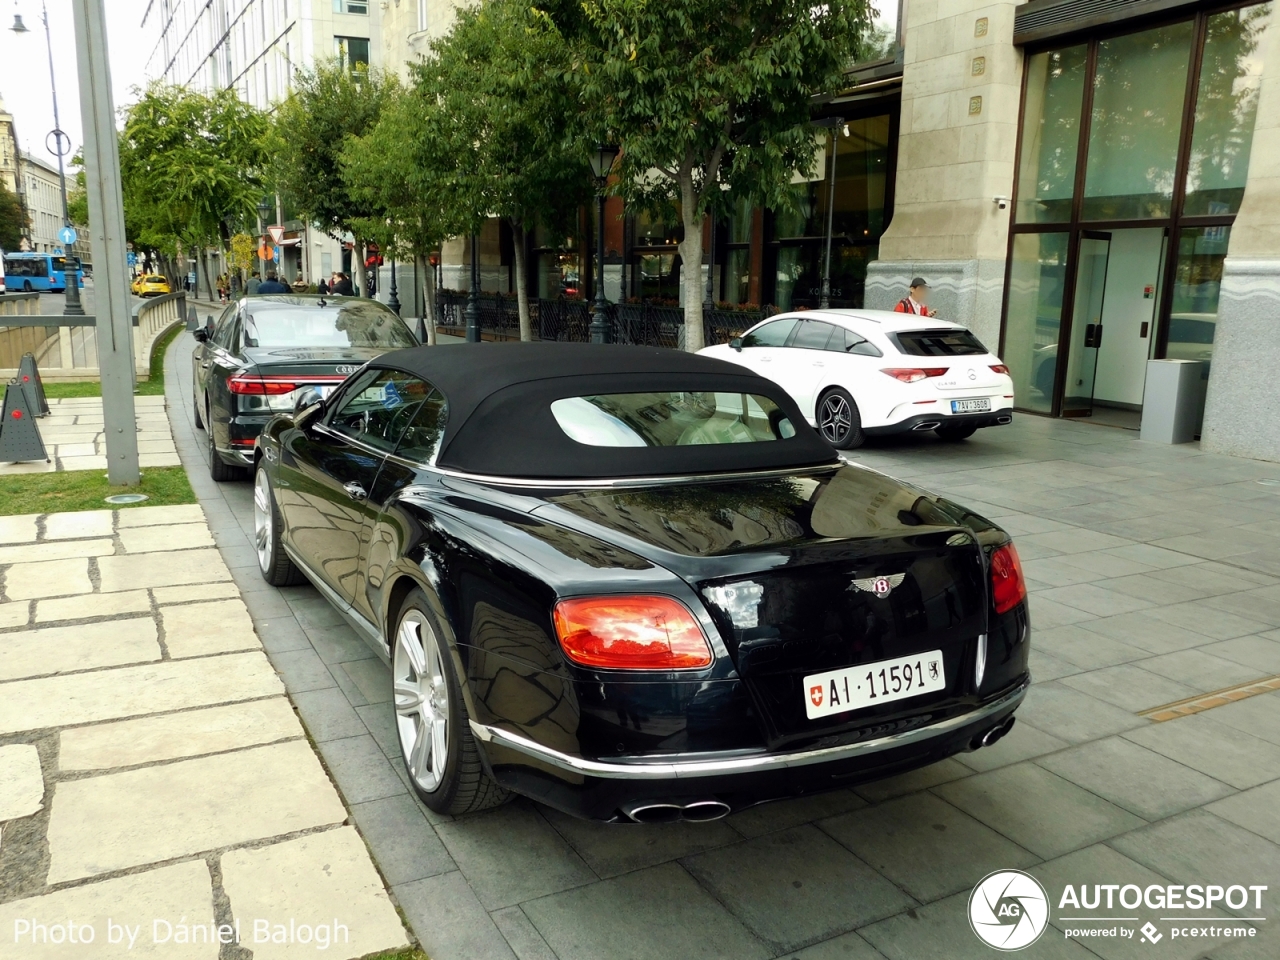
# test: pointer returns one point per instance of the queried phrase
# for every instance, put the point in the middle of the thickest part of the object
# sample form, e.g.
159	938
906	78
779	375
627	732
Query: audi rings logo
1008	910
347	369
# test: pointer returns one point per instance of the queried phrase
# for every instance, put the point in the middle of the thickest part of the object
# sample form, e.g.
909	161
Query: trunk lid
775	563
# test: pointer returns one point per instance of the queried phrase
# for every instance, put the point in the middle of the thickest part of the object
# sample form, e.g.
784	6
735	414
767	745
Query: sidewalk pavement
74	440
156	787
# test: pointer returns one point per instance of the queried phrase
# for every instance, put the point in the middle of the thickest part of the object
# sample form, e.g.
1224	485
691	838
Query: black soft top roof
500	422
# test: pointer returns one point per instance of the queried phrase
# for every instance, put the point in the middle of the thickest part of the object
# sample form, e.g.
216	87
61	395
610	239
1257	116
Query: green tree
701	96
502	104
329	104
192	168
13	218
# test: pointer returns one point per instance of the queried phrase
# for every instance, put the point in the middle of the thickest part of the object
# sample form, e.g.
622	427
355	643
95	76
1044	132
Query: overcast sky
24	66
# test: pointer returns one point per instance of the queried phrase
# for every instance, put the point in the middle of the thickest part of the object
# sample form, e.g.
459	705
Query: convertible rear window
938	343
671	419
356	324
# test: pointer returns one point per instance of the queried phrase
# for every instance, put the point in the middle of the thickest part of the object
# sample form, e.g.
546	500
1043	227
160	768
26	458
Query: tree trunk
209	277
361	271
691	264
522	282
428	274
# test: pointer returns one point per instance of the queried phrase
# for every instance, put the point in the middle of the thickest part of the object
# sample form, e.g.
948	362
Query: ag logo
1008	910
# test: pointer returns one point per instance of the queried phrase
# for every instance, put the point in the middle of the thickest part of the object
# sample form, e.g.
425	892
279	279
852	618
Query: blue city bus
38	271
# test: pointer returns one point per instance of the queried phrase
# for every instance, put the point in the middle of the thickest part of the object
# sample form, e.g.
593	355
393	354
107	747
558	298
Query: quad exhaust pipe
673	811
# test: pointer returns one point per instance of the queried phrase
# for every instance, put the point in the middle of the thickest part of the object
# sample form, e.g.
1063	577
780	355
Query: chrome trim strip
755	763
353	616
627	481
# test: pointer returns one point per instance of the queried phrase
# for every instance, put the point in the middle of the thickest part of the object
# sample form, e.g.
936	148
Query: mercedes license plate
971	406
884	681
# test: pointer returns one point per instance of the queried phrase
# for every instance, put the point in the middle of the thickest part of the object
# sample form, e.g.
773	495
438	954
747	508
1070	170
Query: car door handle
355	491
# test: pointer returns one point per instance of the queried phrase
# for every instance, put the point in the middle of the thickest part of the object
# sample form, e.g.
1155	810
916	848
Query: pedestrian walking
342	286
254	283
917	300
272	285
299	285
322	287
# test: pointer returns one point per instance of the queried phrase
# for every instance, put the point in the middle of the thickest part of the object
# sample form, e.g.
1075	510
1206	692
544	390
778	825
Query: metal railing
641	324
66	347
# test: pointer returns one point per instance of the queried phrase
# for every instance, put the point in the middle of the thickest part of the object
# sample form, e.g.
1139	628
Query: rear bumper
931	421
598	789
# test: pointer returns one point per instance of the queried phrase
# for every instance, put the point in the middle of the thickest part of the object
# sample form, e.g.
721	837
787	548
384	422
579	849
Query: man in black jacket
343	287
272	285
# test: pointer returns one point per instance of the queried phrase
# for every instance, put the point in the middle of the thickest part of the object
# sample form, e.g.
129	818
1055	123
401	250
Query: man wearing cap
915	302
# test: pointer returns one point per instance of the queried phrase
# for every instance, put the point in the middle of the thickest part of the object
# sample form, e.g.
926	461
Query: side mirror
201	334
736	343
307	397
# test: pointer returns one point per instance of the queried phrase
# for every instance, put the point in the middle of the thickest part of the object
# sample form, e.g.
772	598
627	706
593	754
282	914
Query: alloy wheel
262	526
421	701
835	419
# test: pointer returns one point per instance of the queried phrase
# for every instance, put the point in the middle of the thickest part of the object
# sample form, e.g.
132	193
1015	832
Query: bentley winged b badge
880	586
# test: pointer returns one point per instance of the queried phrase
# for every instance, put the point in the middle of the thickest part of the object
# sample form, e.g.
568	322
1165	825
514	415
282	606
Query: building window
353	52
1193	316
1051	135
1037	281
351	6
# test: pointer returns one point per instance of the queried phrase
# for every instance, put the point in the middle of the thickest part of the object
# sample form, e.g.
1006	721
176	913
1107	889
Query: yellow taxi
150	285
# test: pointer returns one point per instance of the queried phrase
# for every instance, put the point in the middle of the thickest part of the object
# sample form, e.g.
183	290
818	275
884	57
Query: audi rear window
670	419
937	343
359	323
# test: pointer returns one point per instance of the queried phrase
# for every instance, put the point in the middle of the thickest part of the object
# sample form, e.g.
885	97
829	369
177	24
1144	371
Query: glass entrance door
1086	323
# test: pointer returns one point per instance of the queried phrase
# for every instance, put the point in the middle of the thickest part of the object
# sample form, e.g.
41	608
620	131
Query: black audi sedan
262	351
634	584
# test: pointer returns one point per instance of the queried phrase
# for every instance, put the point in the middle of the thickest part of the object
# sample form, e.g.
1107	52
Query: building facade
42	196
409	26
10	175
255	47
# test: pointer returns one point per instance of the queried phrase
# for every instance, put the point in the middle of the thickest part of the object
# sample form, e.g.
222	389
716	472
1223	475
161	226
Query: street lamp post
824	299
72	286
602	161
472	312
393	299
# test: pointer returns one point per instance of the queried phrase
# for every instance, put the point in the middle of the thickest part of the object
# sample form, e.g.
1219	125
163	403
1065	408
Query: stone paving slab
1135	552
147	753
74	439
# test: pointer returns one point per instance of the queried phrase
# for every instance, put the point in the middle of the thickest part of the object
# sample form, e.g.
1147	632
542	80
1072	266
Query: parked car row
631	583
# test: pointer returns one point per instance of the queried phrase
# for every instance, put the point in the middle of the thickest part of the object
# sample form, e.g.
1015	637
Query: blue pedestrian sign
68	235
131	258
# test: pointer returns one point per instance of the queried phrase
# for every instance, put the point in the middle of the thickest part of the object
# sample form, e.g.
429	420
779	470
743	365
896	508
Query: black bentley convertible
633	584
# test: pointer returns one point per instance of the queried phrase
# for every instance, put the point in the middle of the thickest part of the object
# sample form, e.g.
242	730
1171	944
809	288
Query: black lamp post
835	123
71	291
393	300
472	311
602	161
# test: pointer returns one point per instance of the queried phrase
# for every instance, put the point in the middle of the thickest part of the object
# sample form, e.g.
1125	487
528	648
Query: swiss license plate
325	391
884	681
982	405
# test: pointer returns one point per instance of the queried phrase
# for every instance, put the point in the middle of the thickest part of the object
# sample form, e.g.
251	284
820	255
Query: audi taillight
260	386
913	374
1008	588
1000	368
631	633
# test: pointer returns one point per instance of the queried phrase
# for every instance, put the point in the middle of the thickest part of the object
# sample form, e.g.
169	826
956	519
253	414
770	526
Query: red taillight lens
631	633
1000	368
1008	587
261	386
912	374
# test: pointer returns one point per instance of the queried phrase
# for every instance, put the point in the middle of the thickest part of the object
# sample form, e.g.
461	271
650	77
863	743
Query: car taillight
631	633
263	387
1008	587
1000	368
912	374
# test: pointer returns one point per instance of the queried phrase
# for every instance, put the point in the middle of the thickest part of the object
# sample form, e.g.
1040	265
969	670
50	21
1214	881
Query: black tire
954	433
274	564
26	286
195	410
219	470
839	421
459	785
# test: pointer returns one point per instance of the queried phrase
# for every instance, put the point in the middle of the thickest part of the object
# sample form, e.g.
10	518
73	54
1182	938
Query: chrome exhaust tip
993	735
1004	419
654	812
704	811
927	425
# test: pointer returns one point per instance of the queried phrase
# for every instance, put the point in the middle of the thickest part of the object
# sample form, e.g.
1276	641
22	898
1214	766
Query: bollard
32	386
19	433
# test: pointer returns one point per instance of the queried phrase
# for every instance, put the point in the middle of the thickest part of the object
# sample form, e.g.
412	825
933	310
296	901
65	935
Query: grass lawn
146	388
408	953
85	490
